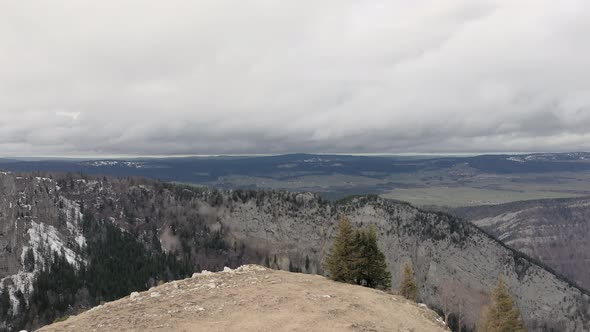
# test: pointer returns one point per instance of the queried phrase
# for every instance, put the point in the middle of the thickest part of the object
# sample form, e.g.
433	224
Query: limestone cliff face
289	230
35	221
442	250
556	232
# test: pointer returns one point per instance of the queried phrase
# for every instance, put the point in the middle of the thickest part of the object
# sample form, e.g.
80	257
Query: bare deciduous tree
452	302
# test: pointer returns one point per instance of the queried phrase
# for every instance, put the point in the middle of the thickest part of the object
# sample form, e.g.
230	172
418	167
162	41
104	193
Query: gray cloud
208	77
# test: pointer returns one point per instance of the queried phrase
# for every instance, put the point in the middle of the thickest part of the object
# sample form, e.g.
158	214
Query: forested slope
71	241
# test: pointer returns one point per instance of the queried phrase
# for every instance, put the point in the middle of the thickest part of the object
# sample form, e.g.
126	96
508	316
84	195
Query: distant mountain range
200	169
421	180
213	170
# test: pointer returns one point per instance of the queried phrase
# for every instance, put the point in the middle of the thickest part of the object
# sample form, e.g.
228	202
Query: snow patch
23	281
80	240
73	218
112	163
40	179
72	210
515	159
44	240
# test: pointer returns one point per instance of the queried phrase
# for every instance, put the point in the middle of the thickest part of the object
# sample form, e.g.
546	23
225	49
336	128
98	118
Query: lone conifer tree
501	315
339	261
408	288
355	258
370	268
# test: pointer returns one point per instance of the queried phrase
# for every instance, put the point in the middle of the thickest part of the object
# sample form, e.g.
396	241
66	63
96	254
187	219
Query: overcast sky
234	77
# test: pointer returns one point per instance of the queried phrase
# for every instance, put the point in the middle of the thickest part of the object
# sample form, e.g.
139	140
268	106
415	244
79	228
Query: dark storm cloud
209	77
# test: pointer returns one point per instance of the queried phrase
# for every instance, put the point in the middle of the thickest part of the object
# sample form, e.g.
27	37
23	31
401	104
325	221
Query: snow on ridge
111	163
515	159
73	217
545	157
80	239
40	179
45	239
315	160
72	210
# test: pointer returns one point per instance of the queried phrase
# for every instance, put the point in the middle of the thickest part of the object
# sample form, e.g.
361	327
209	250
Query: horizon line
369	154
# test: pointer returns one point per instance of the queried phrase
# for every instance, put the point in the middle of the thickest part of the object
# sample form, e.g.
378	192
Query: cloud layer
144	77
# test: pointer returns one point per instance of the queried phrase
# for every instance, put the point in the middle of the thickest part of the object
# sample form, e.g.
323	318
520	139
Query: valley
421	180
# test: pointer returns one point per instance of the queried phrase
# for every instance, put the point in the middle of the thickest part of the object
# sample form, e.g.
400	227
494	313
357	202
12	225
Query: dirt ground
252	298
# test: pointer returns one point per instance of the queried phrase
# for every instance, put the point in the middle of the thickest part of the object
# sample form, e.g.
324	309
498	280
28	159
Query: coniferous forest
117	265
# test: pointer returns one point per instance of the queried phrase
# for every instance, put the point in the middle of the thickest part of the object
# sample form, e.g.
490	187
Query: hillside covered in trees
72	241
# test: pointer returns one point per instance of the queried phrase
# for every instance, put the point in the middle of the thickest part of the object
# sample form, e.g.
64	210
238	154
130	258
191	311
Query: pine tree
340	258
29	261
501	315
408	288
4	301
369	266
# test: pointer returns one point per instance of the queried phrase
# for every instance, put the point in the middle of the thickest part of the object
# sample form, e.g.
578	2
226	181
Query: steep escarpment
167	230
444	252
253	298
556	231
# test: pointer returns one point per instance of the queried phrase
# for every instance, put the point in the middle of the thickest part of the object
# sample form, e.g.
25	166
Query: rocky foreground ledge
253	298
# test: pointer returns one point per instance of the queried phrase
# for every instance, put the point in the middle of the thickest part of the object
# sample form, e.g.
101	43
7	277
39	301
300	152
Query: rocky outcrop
293	231
253	298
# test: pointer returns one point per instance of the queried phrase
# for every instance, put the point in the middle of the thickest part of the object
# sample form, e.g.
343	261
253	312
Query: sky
146	77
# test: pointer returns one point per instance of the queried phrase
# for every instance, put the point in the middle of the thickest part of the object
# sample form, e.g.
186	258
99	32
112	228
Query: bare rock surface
556	231
253	298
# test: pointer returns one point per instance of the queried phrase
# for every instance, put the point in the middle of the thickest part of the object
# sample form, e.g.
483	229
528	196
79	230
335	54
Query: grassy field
479	189
466	196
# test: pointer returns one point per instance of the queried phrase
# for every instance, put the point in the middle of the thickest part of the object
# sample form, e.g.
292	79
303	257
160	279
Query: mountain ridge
291	231
552	231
